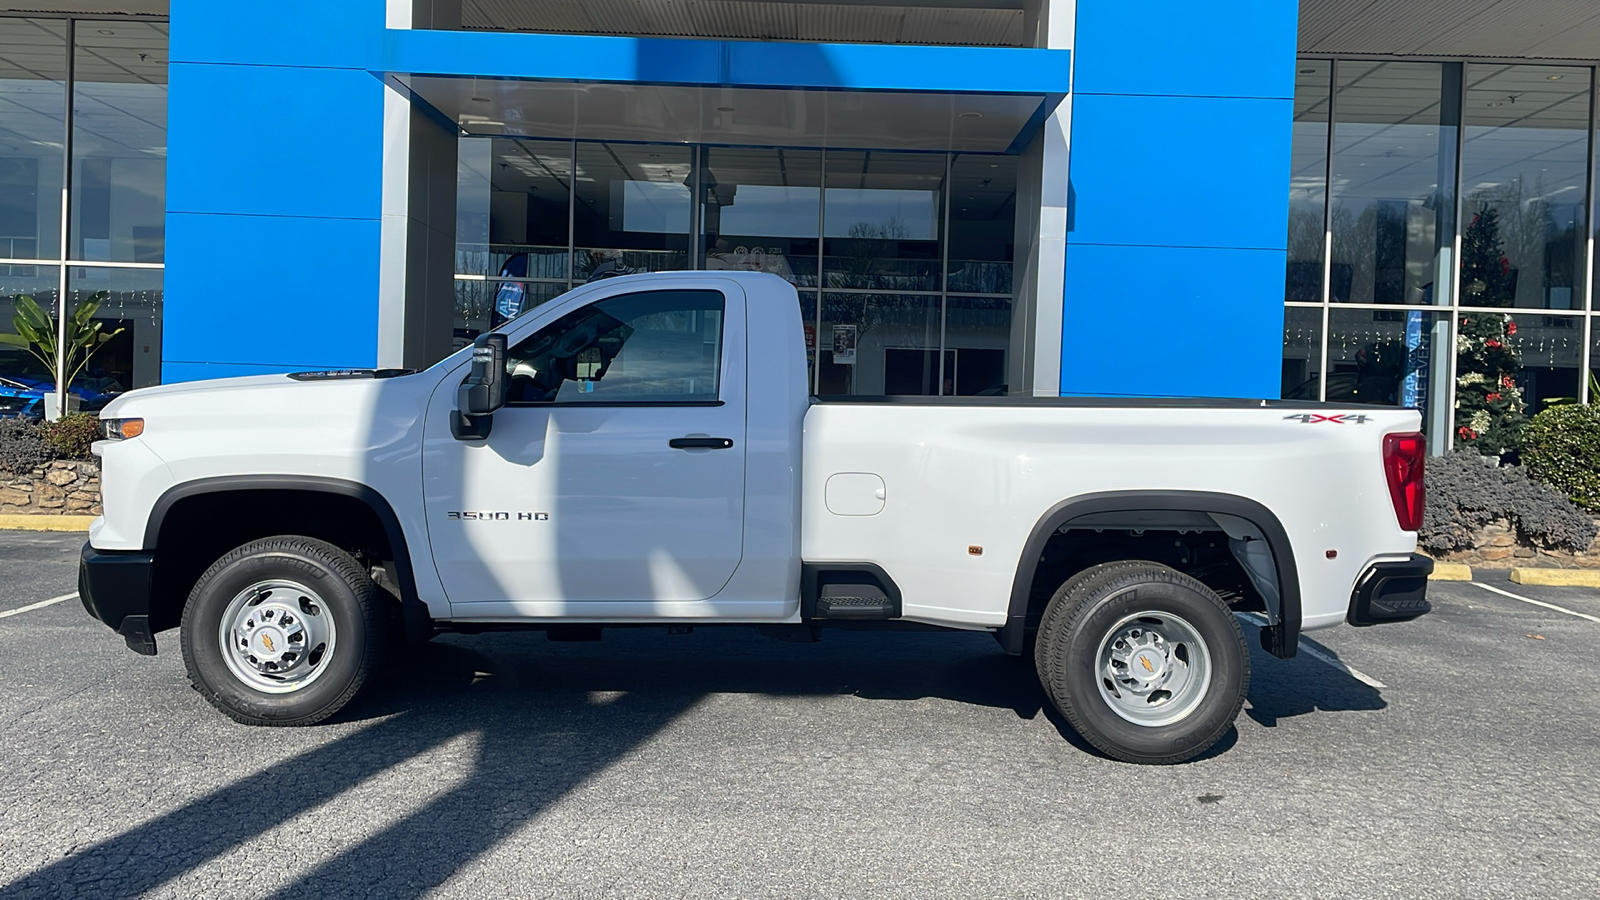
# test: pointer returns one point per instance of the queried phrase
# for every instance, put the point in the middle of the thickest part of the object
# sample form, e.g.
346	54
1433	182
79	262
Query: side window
649	347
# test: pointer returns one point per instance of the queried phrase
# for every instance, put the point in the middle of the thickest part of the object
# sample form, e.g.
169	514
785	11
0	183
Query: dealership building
972	197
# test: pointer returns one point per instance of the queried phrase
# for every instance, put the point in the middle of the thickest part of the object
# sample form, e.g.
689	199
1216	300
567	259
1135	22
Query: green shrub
23	446
1466	491
72	434
1561	447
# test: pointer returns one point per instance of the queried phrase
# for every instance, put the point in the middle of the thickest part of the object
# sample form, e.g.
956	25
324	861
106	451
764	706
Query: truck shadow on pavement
1282	688
549	717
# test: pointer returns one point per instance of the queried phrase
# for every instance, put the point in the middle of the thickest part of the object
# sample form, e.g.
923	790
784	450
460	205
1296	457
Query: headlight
121	429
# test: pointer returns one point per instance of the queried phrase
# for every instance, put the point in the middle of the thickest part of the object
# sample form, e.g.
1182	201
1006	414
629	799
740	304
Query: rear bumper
1391	592
114	586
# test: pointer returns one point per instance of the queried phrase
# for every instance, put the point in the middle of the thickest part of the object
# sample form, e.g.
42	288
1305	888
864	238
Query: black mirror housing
483	390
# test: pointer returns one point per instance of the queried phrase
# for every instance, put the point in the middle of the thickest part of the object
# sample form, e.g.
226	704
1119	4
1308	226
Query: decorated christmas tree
1490	411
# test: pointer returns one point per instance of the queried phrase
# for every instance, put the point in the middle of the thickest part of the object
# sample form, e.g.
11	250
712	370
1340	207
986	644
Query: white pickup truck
643	451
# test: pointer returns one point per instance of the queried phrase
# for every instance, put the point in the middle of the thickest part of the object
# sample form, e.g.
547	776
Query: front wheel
1146	663
283	631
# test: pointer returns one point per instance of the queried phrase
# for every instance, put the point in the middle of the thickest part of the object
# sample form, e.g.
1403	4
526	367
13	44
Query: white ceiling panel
797	118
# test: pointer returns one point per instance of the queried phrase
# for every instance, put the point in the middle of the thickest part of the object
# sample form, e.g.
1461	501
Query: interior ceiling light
105	31
480	99
1307	71
724	109
970	115
1554	77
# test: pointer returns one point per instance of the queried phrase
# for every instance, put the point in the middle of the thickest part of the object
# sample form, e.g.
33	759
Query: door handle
700	443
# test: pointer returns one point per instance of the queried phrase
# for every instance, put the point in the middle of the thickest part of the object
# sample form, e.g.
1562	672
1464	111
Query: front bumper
114	586
1391	592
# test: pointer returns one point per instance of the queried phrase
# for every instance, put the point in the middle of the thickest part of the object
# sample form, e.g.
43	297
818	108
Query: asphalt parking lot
1456	756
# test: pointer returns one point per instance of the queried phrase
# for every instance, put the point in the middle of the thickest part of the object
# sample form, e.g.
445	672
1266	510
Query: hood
190	387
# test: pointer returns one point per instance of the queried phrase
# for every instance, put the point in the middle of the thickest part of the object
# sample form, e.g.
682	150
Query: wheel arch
235	485
1280	639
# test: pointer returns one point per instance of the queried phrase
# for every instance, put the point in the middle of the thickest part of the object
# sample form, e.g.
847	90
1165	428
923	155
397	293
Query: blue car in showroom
22	397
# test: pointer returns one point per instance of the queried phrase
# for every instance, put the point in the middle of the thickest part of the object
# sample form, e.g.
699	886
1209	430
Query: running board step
854	601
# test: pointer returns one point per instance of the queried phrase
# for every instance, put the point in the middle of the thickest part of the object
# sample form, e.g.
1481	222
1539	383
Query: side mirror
483	390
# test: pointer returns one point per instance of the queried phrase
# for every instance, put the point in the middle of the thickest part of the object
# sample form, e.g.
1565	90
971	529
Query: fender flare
410	599
1280	640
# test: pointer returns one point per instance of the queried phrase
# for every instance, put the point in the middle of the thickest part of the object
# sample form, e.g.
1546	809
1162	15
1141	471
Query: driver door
613	475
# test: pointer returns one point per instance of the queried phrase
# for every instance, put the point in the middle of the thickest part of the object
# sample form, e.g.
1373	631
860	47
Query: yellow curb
1557	577
45	523
1443	571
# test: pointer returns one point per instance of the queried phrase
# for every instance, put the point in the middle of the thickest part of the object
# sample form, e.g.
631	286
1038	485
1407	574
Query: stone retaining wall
57	488
1498	546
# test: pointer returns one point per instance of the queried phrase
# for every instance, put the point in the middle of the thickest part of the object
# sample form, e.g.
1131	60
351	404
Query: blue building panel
1180	151
1169	321
1180	48
585	58
1180	171
274	140
316	306
339	33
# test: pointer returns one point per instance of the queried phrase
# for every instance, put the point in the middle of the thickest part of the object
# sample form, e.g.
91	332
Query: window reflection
633	209
1392	150
1308	177
977	336
43	285
760	211
128	306
983	222
878	344
33	71
119	141
881	220
1392	357
1302	353
1523	177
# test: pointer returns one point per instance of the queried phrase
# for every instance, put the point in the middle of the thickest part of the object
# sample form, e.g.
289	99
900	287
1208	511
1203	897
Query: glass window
633	209
528	200
127	304
474	160
1389	357
983	223
33	72
875	344
882	220
649	347
1308	178
1523	179
808	324
119	141
760	211
1302	353
977	335
1393	169
19	368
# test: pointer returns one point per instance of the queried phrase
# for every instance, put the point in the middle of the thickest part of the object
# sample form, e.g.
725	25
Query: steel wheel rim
277	636
1153	668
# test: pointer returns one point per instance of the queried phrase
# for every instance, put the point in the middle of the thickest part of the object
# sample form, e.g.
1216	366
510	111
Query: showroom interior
1419	156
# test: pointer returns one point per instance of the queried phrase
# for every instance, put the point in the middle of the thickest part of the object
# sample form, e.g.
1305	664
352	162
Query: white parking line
1321	657
40	605
1570	612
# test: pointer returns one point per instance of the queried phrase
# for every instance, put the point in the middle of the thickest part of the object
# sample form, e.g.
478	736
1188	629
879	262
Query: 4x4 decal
1336	418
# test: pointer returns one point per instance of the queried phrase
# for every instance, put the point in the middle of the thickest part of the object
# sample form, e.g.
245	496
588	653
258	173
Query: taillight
1403	455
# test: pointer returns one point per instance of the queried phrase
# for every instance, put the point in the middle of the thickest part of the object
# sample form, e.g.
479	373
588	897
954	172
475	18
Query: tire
1108	621
308	628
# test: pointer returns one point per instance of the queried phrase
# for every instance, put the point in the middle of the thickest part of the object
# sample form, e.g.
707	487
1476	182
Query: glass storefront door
903	261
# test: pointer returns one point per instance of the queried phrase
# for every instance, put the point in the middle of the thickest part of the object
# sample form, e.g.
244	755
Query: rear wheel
1146	663
283	631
